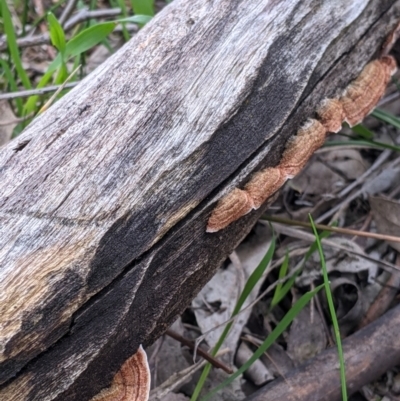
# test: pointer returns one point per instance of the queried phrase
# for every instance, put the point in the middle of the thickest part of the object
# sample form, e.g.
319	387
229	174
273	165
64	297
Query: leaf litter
362	273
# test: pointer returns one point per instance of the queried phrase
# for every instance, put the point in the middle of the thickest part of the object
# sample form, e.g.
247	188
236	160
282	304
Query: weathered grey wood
105	197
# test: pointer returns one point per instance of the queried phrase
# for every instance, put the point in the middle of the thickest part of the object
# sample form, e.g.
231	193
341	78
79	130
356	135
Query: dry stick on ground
384	299
38	91
341	230
368	354
214	361
105	196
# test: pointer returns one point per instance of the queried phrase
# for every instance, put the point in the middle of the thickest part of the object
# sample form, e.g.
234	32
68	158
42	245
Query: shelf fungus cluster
131	382
357	101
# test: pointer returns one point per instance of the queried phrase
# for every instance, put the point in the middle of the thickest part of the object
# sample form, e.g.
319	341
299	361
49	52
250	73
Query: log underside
105	197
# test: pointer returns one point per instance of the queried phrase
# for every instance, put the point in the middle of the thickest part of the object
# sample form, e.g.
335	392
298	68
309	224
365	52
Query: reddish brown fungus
235	204
264	184
300	148
131	382
331	115
362	95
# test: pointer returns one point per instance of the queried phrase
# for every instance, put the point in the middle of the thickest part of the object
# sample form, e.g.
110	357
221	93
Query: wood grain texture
105	197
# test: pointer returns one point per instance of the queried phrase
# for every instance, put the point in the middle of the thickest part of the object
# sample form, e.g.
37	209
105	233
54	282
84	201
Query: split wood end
235	204
264	184
131	382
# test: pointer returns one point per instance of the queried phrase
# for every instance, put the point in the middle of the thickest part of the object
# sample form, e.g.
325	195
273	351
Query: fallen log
105	197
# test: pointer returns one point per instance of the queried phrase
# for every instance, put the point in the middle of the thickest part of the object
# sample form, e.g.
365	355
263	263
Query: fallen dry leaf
387	217
306	338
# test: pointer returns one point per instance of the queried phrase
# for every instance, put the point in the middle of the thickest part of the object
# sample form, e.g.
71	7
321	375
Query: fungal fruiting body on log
263	184
362	95
357	101
235	204
131	382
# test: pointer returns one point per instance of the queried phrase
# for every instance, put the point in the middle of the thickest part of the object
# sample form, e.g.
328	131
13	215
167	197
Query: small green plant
71	49
281	290
250	284
273	336
332	312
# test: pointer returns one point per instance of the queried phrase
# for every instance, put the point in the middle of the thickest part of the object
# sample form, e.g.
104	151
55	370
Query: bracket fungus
358	100
131	382
264	184
235	204
331	115
362	95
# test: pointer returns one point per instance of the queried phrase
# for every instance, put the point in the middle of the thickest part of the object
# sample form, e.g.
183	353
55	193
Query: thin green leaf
88	38
282	273
314	245
145	7
30	105
362	143
363	132
273	336
284	289
251	282
122	6
80	43
386	117
287	286
137	19
332	312
57	35
12	45
62	74
11	81
255	277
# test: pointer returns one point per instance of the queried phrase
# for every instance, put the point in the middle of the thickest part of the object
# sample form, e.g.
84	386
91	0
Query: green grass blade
332	312
122	6
255	276
314	245
57	34
25	16
362	143
145	7
13	85
284	289
282	273
12	45
88	38
363	132
250	284
386	117
273	336
30	105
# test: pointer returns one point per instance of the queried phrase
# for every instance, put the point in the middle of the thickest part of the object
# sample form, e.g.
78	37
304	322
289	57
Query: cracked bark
105	197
